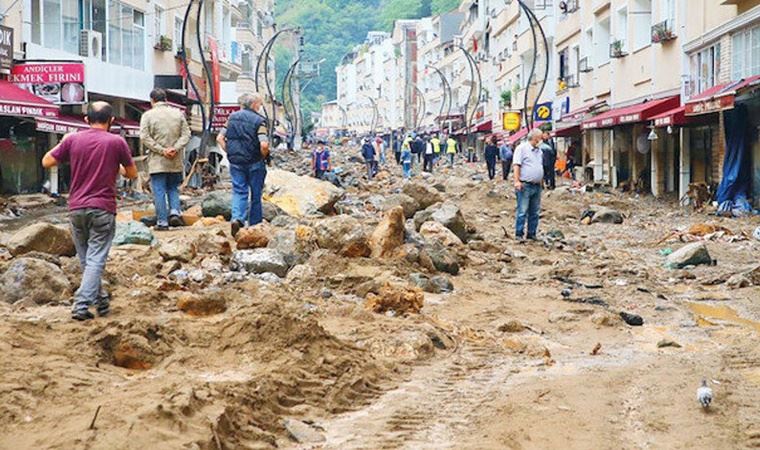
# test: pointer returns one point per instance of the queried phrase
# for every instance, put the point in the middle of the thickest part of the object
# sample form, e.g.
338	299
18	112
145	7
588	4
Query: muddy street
390	314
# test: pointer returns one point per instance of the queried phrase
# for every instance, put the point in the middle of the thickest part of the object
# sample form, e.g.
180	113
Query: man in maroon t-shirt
97	157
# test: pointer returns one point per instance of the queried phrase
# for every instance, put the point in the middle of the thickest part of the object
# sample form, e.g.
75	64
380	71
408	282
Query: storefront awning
18	102
718	98
567	131
577	115
130	127
521	133
632	114
483	127
674	117
66	124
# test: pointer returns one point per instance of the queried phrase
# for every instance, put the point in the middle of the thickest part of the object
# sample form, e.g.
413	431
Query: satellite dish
642	144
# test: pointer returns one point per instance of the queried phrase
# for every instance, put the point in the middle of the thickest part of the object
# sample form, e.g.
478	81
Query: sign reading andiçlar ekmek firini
6	48
61	83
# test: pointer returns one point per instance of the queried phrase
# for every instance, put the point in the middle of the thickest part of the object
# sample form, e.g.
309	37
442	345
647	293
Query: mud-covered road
198	356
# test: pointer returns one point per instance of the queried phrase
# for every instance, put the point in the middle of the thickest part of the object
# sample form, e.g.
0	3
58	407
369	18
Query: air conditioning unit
91	44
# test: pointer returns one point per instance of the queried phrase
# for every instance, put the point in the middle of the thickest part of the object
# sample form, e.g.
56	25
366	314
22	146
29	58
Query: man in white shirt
529	174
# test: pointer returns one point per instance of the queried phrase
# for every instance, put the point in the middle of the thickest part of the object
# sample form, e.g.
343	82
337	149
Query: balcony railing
567	82
663	32
569	6
617	49
584	66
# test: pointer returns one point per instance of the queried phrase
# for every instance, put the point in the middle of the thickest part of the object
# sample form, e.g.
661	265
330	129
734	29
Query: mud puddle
706	313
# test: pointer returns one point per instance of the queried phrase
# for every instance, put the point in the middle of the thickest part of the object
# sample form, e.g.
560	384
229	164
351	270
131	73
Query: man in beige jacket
164	133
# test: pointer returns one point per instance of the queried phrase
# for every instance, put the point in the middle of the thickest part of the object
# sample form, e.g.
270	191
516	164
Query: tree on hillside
393	10
443	6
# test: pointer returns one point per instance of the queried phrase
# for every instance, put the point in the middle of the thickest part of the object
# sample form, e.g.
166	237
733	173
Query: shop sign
543	112
6	48
630	118
58	83
710	106
7	109
56	128
663	121
221	114
511	121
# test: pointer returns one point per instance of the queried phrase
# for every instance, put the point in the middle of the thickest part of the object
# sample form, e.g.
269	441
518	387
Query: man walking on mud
246	142
96	157
165	134
529	174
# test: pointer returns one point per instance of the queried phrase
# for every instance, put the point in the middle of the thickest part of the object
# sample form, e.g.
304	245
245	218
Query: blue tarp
736	183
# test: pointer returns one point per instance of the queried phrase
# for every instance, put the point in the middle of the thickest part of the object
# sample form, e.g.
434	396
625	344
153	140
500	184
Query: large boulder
300	195
177	249
34	279
388	202
217	203
295	245
260	260
689	255
389	234
132	233
434	231
436	258
425	195
450	216
343	234
602	214
42	237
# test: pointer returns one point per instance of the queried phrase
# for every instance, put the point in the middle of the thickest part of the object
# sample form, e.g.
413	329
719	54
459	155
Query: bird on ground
704	395
567	292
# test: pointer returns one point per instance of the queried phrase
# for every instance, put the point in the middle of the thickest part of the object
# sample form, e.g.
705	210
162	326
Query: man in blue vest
247	145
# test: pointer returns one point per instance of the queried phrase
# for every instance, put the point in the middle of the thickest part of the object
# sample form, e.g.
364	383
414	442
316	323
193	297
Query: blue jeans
528	204
165	186
93	230
451	159
407	166
247	189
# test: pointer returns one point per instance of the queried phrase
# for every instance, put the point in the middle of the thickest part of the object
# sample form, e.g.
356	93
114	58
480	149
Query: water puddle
706	312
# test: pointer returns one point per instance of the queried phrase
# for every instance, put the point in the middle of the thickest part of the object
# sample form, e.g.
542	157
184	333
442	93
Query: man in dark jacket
247	145
549	151
368	153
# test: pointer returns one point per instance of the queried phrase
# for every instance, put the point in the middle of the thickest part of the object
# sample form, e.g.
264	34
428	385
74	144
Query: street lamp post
446	95
534	24
291	115
474	70
421	111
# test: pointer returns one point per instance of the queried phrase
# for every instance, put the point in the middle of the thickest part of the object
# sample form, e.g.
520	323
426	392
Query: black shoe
176	221
161	228
82	316
235	227
103	306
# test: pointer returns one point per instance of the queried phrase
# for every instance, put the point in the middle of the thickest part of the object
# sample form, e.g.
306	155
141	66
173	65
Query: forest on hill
332	28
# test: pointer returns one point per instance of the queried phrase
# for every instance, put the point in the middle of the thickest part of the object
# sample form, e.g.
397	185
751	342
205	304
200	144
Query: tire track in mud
440	400
745	393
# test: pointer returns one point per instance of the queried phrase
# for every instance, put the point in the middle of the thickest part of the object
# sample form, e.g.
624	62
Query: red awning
521	133
18	102
718	98
130	127
572	130
66	124
483	127
676	116
632	114
577	115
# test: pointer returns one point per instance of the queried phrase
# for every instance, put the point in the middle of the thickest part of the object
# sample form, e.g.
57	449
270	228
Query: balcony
584	66
617	49
567	82
569	6
663	32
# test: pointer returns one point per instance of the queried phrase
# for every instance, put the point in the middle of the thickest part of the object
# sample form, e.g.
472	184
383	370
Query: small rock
400	299
303	432
450	216
633	320
177	250
260	260
434	231
217	203
512	326
34	280
689	255
668	343
436	257
132	233
389	234
604	319
206	304
423	194
253	237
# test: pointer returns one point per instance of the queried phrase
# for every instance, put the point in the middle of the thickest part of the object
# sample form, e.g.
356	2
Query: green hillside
333	27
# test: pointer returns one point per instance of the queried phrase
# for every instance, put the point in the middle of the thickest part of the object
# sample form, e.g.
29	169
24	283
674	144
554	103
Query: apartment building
68	52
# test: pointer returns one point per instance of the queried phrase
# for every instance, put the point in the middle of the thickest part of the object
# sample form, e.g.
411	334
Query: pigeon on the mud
704	395
567	292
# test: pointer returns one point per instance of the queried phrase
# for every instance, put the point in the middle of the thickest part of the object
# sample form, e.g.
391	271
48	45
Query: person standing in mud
406	160
505	155
528	166
165	134
451	150
491	153
549	151
245	140
368	153
96	157
320	159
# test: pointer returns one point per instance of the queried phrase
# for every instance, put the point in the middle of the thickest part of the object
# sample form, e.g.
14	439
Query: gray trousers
93	231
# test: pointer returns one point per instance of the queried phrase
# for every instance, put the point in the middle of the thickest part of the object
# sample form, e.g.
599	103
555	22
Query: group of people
97	157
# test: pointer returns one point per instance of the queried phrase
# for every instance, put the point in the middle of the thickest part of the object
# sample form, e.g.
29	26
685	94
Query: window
642	23
126	35
746	54
159	24
564	64
177	33
705	69
602	44
587	47
668	13
621	27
